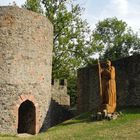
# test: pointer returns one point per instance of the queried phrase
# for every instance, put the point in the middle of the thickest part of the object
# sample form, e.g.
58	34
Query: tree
71	49
71	36
113	39
33	5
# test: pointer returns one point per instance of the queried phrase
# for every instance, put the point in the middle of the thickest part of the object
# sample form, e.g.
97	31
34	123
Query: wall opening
26	118
62	82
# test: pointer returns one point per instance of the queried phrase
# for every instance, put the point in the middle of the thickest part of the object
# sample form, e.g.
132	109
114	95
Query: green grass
126	127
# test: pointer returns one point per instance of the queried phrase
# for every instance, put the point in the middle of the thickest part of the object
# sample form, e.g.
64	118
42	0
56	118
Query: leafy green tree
33	5
71	38
70	41
113	39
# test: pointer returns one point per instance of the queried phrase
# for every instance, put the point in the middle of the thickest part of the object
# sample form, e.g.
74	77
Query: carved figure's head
108	63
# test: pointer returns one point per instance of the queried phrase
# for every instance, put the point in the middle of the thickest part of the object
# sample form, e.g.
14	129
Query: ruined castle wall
26	40
59	93
127	82
60	102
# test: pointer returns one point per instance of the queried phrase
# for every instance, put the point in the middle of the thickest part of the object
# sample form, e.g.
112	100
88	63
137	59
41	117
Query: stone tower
26	40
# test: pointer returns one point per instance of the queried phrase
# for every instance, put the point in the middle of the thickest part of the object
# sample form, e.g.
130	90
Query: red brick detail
16	106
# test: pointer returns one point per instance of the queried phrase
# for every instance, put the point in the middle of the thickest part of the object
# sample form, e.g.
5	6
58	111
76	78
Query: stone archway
27	118
16	107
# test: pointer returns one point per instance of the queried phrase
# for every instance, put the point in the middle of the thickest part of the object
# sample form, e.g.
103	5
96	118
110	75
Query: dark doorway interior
26	118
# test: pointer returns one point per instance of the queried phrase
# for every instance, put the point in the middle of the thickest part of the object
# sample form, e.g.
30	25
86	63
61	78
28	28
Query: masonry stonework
26	41
59	92
60	102
127	82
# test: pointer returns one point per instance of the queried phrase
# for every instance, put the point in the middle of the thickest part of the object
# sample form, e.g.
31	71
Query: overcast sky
95	10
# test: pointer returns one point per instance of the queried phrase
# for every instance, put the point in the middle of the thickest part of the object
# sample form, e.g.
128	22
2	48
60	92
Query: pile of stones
106	116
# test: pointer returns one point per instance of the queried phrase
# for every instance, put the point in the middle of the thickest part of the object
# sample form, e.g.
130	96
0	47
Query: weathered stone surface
59	93
99	116
60	102
26	40
127	84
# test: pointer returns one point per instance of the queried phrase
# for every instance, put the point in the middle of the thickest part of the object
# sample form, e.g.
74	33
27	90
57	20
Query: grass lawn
126	127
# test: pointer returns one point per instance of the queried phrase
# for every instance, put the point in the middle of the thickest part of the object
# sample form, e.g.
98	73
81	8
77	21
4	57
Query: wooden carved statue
107	88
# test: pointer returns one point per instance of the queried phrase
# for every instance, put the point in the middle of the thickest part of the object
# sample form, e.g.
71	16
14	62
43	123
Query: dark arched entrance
26	118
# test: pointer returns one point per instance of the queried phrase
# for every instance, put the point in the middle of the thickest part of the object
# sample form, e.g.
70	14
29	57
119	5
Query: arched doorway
26	118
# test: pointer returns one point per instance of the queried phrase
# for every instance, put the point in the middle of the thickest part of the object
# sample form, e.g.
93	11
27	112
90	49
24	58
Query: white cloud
116	8
126	10
121	6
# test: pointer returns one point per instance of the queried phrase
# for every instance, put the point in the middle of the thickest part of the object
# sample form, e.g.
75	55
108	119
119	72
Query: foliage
113	39
72	86
71	36
33	5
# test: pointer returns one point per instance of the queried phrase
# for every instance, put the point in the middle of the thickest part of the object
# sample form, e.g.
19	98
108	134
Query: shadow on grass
83	118
87	117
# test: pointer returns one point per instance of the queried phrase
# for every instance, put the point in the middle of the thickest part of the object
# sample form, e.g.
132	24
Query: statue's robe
108	90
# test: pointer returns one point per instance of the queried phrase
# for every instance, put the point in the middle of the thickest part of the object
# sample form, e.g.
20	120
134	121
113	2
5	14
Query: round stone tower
26	40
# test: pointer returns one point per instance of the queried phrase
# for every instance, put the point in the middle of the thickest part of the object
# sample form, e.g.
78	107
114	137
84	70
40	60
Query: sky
97	10
126	10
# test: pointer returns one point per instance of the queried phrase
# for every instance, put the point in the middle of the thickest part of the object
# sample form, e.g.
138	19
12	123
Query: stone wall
60	102
59	92
26	41
127	82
